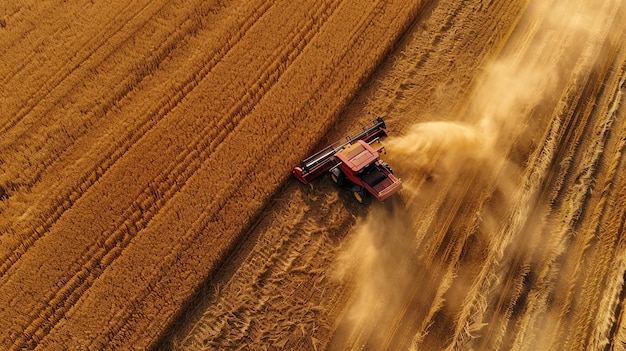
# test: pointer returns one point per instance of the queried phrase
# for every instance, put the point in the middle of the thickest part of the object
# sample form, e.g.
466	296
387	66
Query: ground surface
145	154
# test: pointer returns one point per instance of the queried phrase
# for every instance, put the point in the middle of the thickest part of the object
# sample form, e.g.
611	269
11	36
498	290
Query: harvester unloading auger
353	162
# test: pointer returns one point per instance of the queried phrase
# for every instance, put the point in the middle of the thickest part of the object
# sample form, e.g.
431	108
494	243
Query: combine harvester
352	162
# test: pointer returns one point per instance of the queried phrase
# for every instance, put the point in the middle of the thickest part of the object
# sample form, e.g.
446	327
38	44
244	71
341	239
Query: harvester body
352	161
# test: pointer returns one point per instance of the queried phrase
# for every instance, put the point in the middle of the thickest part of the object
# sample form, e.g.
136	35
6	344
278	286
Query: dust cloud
460	182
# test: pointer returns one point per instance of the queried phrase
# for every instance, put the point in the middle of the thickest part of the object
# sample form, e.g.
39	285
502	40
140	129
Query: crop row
219	314
595	241
143	204
83	189
513	292
513	285
65	194
453	243
48	148
57	142
58	58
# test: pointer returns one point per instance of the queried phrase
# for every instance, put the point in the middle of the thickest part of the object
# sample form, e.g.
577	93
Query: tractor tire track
81	72
524	278
414	96
444	252
615	338
507	295
537	263
453	248
94	44
30	37
372	14
15	256
58	141
520	266
118	150
580	246
613	327
581	187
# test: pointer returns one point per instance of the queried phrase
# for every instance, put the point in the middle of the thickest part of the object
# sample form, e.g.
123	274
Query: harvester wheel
360	194
337	176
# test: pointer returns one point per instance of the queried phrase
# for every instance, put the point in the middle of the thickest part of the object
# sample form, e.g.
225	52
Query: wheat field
145	192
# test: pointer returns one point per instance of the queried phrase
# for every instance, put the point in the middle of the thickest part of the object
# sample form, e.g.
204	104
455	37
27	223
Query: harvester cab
352	162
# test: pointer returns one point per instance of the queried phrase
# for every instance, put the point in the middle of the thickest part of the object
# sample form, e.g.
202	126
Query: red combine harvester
353	162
